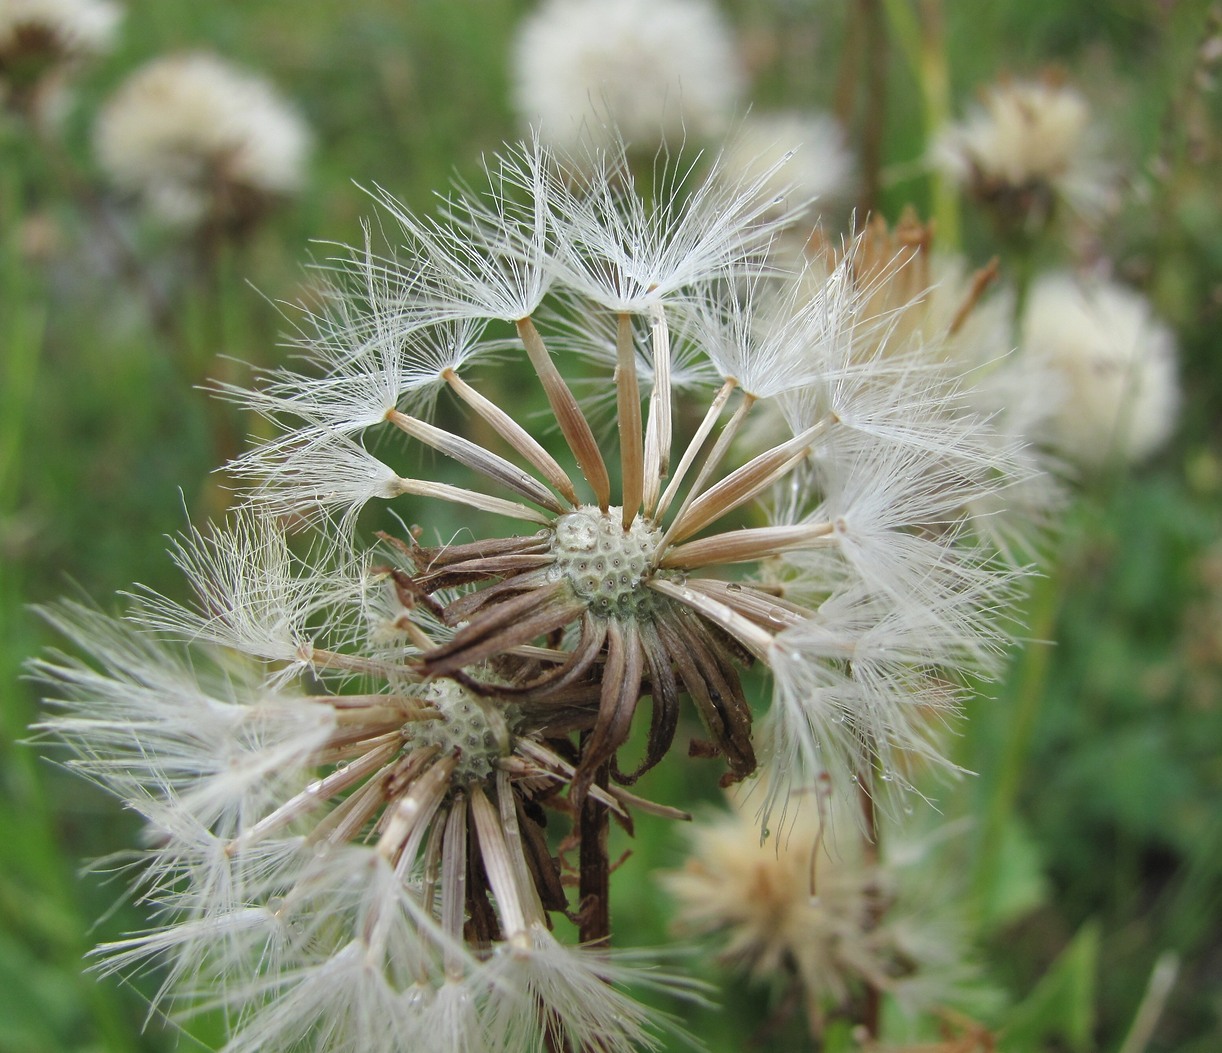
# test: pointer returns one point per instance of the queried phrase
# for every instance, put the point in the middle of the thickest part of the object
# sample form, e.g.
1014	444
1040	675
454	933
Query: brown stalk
514	434
594	875
720	448
515	621
579	662
751	637
573	424
319	792
980	281
454	872
475	457
497	865
411	812
527	885
743	546
714	688
466	607
664	716
737	488
457	495
768	611
620	691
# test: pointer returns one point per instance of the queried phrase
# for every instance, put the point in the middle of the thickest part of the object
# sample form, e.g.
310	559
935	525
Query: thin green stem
1032	680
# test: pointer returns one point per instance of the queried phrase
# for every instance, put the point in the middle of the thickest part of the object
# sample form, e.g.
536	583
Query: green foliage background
1097	838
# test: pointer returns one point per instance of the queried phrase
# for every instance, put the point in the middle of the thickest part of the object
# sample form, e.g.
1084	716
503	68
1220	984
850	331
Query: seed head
1027	146
1114	365
592	72
200	141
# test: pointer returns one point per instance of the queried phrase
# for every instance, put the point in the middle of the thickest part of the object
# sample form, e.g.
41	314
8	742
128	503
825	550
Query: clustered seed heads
355	814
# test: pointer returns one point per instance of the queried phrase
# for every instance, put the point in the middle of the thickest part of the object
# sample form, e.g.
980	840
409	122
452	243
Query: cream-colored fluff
1114	363
812	905
1027	133
588	71
196	137
800	158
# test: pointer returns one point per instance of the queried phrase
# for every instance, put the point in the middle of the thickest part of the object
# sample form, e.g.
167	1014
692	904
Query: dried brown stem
594	879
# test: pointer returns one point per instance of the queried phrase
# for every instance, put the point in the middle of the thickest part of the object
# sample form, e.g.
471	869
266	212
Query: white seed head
197	138
804	156
1027	133
1114	362
589	72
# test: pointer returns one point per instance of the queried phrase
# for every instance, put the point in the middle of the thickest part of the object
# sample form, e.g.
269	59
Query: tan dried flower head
201	141
1028	145
819	910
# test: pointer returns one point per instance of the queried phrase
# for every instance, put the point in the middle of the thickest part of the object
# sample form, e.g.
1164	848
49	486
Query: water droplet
734	586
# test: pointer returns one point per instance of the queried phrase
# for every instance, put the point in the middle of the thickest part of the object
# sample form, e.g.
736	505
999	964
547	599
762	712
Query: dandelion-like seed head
817	177
831	917
201	141
1115	363
391	855
590	72
1028	145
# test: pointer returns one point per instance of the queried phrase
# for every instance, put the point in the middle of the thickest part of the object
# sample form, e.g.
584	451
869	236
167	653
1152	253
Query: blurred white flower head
42	39
1027	145
589	72
1114	362
818	168
199	140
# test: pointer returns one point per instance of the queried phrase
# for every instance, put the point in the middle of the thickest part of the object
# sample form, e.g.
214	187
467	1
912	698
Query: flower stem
594	881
